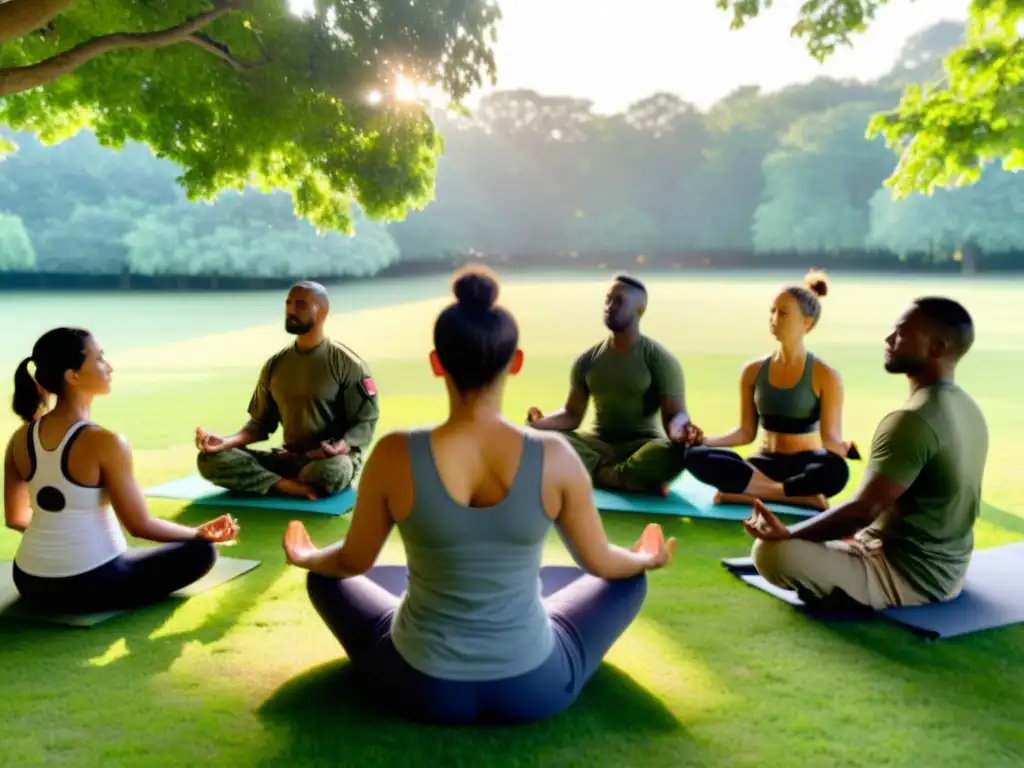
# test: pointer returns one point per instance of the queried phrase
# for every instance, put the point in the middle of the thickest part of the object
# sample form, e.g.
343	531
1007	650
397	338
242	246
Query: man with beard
632	379
907	536
321	394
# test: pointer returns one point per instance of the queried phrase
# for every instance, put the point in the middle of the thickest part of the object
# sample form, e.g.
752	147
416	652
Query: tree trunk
19	17
969	254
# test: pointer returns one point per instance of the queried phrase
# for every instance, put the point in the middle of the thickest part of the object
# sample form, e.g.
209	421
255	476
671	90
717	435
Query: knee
631	591
209	463
772	559
202	556
838	475
330	476
317	587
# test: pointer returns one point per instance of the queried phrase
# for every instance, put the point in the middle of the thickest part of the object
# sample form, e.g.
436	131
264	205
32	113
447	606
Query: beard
296	327
615	324
904	365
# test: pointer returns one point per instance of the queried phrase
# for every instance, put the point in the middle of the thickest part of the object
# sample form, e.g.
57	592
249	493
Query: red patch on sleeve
369	386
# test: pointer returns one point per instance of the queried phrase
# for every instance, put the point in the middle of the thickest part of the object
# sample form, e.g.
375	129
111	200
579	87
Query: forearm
18	523
330	562
621	563
677	421
832	445
737	437
251	432
163	531
839	522
359	436
559	421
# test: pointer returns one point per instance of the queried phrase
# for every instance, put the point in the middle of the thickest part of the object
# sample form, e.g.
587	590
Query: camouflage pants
255	471
643	465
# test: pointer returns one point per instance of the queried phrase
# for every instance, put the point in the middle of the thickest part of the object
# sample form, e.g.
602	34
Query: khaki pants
818	569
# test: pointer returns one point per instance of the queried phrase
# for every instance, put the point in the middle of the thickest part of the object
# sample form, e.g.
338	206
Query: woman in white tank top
69	487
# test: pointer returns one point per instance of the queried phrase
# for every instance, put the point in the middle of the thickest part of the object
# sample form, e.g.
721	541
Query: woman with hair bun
473	639
69	485
798	400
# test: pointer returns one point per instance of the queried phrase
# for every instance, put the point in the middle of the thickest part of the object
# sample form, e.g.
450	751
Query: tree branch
17	79
19	17
221	51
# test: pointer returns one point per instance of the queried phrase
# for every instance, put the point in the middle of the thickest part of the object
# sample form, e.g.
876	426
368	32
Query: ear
435	364
517	362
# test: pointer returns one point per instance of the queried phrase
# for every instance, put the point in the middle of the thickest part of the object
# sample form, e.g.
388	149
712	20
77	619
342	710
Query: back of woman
474	540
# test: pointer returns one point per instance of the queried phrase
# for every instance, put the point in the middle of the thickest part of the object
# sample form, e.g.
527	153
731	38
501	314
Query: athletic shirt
627	387
794	410
472	609
73	529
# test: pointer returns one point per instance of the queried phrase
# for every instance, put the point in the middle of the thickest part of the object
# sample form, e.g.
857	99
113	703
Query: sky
615	52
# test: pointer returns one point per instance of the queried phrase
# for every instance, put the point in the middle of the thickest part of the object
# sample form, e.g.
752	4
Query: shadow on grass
320	716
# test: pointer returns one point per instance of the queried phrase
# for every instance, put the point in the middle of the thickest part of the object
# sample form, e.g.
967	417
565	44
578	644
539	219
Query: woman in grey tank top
803	457
475	629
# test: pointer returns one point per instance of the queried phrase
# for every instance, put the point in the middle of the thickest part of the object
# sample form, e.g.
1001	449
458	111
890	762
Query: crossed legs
253	471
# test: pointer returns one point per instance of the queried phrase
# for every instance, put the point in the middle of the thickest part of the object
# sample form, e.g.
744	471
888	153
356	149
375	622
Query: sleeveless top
73	529
472	609
794	410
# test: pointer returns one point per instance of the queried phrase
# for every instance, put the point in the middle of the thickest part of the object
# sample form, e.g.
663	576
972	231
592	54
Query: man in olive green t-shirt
633	380
907	536
323	397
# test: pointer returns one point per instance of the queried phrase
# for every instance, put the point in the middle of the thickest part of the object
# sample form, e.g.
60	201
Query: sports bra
793	410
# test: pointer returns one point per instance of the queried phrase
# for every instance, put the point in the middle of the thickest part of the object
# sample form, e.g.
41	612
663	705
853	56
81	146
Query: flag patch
369	386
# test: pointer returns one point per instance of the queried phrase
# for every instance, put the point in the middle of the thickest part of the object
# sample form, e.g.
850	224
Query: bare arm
579	522
831	410
17	508
569	416
902	446
118	478
371	519
745	433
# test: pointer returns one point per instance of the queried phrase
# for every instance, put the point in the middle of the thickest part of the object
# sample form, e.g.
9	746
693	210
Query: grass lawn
713	673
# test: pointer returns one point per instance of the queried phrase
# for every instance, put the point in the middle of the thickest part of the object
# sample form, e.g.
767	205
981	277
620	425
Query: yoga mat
688	497
205	494
12	607
993	596
394	578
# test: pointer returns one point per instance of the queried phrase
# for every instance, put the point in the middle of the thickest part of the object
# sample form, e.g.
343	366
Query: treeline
533	178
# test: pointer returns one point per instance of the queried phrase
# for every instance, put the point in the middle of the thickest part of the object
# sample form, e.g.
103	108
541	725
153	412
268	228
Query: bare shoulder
560	457
749	369
825	373
391	447
104	443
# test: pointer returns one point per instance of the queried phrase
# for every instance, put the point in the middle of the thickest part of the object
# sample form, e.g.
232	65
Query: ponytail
28	397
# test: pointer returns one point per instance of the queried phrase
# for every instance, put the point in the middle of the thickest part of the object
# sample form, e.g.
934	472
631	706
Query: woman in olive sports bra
798	400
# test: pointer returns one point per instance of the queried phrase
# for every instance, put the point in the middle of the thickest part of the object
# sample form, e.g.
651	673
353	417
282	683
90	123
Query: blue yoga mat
993	595
688	497
395	578
203	493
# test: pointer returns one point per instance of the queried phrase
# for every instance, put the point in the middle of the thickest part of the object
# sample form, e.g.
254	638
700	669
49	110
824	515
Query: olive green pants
254	471
643	465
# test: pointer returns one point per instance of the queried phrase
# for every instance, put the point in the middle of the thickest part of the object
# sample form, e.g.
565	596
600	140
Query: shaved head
306	308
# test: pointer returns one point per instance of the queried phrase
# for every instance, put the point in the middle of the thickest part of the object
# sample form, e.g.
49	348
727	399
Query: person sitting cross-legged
907	535
323	397
473	639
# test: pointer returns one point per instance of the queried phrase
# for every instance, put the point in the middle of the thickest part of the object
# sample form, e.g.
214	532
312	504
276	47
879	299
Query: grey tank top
473	608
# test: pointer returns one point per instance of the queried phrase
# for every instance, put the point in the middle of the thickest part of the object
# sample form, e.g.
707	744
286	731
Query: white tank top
73	529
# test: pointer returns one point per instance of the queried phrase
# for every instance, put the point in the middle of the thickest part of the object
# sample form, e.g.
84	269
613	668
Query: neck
623	340
475	407
944	373
73	408
310	339
791	351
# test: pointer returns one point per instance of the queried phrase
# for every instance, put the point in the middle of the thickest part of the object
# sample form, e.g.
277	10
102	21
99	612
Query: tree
945	131
246	93
965	224
818	183
16	251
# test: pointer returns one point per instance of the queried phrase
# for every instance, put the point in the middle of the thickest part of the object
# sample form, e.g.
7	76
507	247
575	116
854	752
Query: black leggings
138	577
808	473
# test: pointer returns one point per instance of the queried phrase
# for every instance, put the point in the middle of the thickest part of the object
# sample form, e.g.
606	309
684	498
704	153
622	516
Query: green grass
712	673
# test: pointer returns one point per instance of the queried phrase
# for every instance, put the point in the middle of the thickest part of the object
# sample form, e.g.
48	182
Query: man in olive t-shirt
907	537
323	397
641	428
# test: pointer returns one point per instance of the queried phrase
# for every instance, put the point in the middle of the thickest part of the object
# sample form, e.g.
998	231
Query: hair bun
817	283
476	289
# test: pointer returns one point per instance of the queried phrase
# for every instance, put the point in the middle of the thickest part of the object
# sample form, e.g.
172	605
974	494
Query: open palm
298	548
